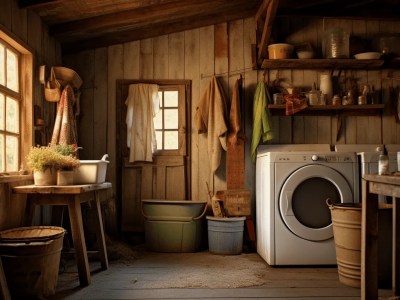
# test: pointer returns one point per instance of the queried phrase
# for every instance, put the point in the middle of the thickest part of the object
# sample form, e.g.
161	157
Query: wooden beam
33	3
157	28
266	32
150	15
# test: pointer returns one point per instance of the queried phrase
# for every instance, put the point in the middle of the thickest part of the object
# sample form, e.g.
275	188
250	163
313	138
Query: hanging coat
210	118
142	106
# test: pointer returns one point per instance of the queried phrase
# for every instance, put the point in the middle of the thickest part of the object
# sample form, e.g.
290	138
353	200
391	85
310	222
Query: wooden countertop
58	189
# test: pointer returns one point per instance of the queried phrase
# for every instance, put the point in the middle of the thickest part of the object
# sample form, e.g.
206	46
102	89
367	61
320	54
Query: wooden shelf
358	64
327	110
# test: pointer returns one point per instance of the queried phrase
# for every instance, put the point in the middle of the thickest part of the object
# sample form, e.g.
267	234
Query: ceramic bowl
368	55
305	54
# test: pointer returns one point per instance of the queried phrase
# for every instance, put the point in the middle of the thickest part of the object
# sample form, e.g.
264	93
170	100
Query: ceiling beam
33	3
155	29
137	18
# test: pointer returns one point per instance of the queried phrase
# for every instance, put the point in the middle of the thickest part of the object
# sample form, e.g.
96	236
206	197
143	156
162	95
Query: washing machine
293	221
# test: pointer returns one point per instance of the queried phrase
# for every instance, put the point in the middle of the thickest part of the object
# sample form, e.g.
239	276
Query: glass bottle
383	162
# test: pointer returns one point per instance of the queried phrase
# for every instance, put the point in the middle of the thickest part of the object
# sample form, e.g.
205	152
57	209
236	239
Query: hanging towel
142	106
210	118
262	125
65	129
234	114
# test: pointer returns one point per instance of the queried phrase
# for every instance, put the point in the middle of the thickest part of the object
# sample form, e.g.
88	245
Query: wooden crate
236	202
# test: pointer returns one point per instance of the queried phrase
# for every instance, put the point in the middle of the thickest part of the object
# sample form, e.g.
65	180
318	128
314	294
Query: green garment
262	126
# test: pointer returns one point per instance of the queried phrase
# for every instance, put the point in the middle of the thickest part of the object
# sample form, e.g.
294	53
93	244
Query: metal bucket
225	235
346	221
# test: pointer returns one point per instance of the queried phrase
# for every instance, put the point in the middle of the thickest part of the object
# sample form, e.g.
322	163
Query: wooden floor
124	277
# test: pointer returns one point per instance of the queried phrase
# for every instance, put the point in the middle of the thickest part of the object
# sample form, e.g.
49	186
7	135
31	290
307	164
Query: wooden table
387	185
71	196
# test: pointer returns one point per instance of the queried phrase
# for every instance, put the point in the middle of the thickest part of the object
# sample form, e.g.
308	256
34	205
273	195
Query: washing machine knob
314	157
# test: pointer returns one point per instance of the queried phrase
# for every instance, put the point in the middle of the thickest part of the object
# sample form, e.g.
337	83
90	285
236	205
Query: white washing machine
293	221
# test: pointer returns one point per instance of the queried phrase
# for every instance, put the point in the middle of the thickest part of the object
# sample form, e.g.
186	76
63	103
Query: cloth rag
211	118
65	129
294	103
262	125
234	114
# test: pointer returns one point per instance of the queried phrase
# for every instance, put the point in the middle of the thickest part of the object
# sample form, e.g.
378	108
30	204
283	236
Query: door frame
122	88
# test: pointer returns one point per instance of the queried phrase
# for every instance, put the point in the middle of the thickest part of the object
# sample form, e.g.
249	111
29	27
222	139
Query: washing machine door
302	200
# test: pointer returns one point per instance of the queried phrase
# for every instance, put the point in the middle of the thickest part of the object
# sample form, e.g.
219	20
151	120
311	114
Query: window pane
171	119
12	154
2	103
158	120
159	140
12	115
160	94
2	153
2	63
171	99
171	140
12	70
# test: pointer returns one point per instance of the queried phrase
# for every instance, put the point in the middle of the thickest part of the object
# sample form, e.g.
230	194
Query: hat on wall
65	75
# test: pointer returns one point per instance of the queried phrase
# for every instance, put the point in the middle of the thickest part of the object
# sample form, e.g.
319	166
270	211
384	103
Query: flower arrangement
59	157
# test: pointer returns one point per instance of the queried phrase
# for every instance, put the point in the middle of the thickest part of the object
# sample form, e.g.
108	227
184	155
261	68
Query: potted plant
50	164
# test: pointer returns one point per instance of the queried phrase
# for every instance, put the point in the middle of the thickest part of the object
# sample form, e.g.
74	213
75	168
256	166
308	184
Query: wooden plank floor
127	279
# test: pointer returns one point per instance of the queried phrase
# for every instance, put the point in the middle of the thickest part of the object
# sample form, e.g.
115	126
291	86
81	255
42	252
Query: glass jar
335	43
325	86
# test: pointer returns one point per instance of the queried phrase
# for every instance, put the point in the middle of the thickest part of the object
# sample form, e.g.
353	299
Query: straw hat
65	75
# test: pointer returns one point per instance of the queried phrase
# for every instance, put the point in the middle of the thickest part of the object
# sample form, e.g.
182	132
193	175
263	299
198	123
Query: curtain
142	106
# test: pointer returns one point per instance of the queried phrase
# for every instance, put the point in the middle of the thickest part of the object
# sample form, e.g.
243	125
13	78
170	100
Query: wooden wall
224	50
28	29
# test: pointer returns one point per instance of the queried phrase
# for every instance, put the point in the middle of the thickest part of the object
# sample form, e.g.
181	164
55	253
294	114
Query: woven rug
196	270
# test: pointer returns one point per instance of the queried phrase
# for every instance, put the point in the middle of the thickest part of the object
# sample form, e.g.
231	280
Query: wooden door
168	175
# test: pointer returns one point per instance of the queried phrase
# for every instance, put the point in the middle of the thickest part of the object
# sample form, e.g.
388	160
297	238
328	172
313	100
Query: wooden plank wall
225	50
194	54
28	29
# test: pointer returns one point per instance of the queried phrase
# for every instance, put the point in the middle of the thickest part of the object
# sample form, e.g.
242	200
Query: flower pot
48	177
65	177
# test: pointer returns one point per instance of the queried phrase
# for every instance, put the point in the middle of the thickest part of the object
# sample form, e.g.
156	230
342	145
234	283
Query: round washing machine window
302	200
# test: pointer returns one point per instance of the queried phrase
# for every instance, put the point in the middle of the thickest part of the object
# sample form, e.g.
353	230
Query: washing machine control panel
314	157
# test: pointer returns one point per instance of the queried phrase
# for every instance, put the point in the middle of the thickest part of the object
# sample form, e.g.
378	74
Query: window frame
25	96
182	122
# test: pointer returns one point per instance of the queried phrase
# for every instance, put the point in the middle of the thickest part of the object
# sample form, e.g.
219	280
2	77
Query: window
166	121
10	99
15	113
169	122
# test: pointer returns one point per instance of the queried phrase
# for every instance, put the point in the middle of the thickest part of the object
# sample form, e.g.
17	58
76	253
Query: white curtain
142	105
